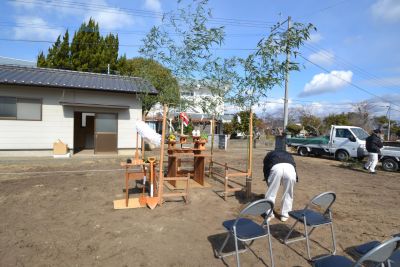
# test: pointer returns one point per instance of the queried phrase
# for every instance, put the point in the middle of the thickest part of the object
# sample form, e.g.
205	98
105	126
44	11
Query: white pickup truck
342	143
390	156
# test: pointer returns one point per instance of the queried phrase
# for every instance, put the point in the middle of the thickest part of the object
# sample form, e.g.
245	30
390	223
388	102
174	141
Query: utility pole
286	100
108	69
388	137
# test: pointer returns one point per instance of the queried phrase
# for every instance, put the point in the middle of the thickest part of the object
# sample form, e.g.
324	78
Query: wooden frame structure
227	176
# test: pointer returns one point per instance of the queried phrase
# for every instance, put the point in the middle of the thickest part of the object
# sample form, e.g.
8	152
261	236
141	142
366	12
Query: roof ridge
9	66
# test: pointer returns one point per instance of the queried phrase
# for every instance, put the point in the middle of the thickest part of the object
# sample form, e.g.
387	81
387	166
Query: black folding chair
312	218
379	255
245	230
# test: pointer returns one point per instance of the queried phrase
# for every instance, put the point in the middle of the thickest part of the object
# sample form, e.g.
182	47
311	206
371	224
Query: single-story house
91	111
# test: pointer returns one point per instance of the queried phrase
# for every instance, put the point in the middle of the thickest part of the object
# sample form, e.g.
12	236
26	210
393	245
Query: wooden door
106	132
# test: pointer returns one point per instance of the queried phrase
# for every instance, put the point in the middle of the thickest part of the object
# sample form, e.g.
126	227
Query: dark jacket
276	157
373	143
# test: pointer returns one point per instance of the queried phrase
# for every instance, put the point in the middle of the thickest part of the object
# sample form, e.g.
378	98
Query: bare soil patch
67	219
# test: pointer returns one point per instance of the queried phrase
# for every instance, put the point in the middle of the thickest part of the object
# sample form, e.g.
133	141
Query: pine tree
88	50
41	60
52	54
62	58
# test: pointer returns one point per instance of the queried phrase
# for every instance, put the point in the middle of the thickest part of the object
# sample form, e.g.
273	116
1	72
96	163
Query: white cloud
315	37
322	58
109	18
387	10
153	5
327	82
41	31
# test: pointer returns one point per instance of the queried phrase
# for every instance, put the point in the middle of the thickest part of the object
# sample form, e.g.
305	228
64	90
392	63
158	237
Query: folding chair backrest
324	200
258	207
380	253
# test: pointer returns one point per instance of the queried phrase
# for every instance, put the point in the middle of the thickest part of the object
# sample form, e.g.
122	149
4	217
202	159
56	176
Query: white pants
372	161
286	174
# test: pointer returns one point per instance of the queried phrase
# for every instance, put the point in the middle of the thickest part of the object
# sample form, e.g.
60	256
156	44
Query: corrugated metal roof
73	79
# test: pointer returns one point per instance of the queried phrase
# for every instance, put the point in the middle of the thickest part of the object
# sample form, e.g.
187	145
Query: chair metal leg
236	247
333	240
223	245
270	246
285	241
307	240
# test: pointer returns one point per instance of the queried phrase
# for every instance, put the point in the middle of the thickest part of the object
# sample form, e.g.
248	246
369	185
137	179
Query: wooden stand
174	162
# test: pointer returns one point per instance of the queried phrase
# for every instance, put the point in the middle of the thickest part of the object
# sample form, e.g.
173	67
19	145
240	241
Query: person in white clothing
280	168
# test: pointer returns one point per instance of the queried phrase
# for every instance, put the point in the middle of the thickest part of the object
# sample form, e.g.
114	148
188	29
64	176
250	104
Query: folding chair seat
380	254
365	248
245	230
312	219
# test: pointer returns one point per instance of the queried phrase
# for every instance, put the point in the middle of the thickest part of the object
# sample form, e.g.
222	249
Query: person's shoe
270	217
284	218
365	168
372	172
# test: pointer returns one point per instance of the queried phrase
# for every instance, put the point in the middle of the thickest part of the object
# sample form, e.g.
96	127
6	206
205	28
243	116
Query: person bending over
280	168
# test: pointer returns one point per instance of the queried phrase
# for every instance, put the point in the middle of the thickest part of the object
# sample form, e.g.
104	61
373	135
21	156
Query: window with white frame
15	108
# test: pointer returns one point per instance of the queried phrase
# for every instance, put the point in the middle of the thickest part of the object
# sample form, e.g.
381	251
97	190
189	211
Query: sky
352	57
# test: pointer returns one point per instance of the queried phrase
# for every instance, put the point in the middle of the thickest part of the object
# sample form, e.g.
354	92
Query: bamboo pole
250	158
161	174
137	147
212	146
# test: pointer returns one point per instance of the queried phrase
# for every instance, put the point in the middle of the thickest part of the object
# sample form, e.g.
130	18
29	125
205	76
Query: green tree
294	128
228	128
311	123
335	119
62	57
396	128
88	51
242	125
52	53
41	60
381	120
159	76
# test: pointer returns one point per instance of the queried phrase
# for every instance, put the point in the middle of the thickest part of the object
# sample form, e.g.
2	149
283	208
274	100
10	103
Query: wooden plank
133	203
217	163
232	168
237	174
174	194
175	178
235	189
135	175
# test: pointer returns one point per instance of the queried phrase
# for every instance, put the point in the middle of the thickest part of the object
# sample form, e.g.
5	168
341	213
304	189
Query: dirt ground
52	218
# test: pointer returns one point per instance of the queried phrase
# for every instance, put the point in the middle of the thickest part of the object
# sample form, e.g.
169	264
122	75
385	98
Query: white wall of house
58	121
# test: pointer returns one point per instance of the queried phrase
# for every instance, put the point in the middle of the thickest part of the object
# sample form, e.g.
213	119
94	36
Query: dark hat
377	131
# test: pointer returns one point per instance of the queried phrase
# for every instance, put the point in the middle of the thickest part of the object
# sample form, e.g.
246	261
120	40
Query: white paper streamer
147	133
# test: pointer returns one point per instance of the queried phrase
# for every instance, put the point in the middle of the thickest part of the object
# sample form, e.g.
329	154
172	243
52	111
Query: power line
347	64
324	8
352	84
119	32
124	45
144	13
